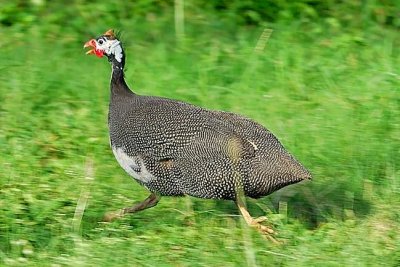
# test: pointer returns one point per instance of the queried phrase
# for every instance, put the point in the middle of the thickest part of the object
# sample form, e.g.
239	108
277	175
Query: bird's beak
94	51
90	43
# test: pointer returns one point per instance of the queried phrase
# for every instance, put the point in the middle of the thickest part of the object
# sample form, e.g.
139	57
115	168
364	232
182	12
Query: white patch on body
134	166
254	145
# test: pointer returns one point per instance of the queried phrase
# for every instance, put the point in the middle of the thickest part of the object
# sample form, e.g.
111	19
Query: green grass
332	98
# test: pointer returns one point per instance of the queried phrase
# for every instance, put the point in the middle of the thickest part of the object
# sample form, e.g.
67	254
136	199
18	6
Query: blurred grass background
322	75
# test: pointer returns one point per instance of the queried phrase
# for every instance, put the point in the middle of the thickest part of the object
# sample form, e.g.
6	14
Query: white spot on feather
131	164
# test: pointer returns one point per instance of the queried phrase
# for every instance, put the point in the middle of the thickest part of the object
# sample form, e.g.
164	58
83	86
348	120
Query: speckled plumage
175	148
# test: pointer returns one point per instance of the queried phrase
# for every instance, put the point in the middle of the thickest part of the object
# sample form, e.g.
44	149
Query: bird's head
106	44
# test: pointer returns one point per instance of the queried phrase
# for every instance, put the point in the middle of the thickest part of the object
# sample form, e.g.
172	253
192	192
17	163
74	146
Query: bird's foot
256	223
266	231
260	219
149	202
112	215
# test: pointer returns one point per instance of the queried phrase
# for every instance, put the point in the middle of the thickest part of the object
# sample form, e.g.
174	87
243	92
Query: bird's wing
255	133
212	137
179	127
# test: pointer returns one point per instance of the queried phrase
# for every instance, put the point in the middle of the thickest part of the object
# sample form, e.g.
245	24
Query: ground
332	98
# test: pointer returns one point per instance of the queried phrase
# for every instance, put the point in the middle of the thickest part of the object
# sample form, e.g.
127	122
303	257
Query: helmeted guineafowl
174	148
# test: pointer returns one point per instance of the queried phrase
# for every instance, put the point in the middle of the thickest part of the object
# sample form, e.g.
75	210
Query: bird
174	148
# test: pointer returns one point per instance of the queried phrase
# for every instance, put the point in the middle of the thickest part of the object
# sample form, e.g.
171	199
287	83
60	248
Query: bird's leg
251	221
256	223
149	202
234	155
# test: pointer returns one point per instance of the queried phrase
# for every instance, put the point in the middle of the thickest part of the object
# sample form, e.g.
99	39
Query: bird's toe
112	215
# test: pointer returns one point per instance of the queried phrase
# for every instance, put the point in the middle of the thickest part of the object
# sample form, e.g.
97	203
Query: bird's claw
260	219
112	215
266	231
262	228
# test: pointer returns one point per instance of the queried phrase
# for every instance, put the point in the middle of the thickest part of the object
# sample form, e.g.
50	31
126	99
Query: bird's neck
118	84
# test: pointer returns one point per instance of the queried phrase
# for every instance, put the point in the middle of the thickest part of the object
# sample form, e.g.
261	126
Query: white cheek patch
116	49
118	52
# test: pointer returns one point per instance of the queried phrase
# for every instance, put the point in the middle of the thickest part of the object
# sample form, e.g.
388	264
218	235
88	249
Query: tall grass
332	97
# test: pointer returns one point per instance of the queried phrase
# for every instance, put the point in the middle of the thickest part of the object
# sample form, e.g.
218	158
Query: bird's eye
101	41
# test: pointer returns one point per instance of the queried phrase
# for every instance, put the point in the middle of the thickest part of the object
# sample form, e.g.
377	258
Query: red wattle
99	53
